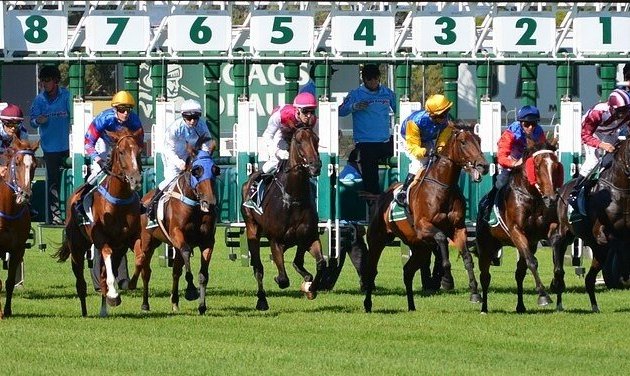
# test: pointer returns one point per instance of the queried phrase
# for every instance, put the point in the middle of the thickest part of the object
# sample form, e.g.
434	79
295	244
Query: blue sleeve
345	108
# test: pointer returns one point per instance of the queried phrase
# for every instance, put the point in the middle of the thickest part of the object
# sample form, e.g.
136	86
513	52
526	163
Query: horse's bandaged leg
111	280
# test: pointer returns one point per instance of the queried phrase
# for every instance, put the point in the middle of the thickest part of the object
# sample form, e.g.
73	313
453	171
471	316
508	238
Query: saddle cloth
397	212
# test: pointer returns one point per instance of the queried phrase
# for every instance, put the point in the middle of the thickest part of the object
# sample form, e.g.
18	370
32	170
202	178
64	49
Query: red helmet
618	98
305	100
11	113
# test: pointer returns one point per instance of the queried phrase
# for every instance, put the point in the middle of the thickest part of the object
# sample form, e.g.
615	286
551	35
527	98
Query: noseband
122	164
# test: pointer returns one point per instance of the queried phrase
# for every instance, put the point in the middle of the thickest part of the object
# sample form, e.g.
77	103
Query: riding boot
573	196
401	196
251	201
493	220
151	206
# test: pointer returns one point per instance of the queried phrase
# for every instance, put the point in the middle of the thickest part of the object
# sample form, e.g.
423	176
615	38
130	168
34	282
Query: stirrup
252	205
151	223
493	220
401	198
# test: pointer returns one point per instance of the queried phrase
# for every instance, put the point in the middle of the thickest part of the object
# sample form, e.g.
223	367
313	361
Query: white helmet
191	106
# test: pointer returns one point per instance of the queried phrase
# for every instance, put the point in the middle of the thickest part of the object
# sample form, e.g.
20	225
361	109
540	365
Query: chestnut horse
605	229
438	211
18	168
190	217
527	209
289	217
115	224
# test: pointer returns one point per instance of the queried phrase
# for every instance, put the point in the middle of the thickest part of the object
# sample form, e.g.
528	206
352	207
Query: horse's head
21	164
125	160
203	173
304	151
544	171
464	148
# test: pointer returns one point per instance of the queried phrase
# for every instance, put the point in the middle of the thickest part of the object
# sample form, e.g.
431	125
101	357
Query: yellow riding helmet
123	98
437	104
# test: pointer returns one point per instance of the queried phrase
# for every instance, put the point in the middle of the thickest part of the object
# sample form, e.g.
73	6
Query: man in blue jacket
50	114
371	106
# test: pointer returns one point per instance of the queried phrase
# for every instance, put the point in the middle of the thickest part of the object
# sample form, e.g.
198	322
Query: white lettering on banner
256	73
275	74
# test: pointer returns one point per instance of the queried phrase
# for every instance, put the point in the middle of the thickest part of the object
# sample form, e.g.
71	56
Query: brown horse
527	209
190	217
432	221
115	226
605	229
18	168
289	218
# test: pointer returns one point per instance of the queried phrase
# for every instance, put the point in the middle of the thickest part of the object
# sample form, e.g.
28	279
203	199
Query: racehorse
189	221
18	168
115	223
605	228
434	220
527	209
289	216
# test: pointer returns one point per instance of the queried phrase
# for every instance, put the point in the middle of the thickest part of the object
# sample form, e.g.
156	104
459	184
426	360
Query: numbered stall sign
438	32
36	30
524	32
191	31
126	31
597	33
281	31
363	32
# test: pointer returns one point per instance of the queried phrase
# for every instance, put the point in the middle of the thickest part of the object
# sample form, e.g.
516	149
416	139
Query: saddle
259	187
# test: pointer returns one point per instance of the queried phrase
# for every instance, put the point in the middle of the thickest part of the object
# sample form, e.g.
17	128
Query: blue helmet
528	113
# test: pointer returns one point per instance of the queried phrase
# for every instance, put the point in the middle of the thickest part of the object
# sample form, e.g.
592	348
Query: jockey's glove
282	154
101	163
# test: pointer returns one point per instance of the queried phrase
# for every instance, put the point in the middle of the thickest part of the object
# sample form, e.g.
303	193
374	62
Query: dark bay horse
289	216
115	226
606	228
527	209
190	217
18	168
438	211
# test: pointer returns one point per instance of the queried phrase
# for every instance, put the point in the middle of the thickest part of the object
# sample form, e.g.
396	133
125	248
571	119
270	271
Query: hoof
113	302
202	310
133	284
144	308
283	283
544	300
475	298
262	305
367	306
191	293
447	286
559	308
175	308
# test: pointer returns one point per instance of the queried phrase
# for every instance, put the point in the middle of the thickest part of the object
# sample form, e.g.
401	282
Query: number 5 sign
126	31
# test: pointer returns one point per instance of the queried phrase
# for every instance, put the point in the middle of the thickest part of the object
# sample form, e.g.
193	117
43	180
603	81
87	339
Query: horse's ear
213	146
34	145
113	135
200	141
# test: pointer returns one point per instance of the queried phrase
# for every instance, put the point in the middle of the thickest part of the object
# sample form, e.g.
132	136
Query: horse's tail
63	252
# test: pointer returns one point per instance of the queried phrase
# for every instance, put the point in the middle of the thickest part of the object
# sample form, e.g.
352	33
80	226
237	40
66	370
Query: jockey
186	130
11	117
112	119
601	126
422	132
511	146
280	127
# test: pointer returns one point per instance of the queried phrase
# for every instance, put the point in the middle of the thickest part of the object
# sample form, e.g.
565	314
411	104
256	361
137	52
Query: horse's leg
176	273
430	281
16	259
459	240
112	296
206	256
253	244
179	242
298	264
519	276
1	311
526	251
277	253
377	238
442	244
589	282
486	250
409	270
316	251
559	243
147	249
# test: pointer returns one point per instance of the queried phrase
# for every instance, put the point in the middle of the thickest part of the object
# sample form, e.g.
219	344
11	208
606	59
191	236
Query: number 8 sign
31	31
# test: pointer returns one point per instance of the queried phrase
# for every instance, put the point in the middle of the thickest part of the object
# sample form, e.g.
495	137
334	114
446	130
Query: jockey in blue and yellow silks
423	132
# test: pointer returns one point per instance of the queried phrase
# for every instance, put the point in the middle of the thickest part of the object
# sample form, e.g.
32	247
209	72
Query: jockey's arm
413	140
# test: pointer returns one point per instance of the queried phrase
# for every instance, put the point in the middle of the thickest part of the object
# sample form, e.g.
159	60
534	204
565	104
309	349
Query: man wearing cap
371	106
